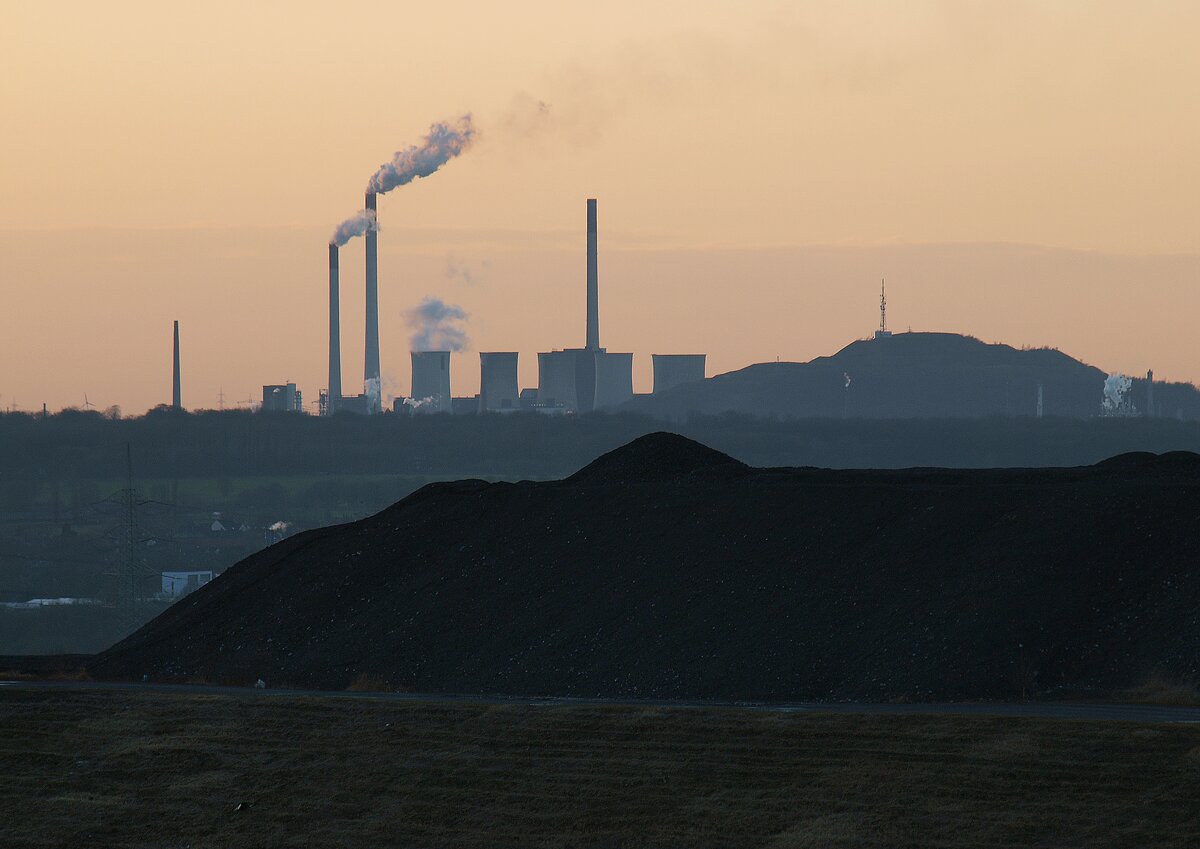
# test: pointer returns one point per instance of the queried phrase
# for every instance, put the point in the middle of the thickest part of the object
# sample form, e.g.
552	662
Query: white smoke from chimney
1116	390
418	403
435	326
362	222
373	391
445	141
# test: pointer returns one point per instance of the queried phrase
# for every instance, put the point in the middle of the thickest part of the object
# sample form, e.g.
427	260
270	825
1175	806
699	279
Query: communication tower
882	332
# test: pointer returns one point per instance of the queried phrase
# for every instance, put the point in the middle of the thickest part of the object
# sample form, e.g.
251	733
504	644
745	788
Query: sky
1022	172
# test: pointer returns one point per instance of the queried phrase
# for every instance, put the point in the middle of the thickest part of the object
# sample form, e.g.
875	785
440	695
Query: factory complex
570	380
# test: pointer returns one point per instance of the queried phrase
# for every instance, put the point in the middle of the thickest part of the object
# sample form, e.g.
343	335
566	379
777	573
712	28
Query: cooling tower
498	382
371	359
674	369
176	394
334	393
593	286
614	379
431	380
556	380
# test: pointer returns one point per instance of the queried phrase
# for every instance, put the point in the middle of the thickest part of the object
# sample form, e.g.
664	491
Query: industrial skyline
760	165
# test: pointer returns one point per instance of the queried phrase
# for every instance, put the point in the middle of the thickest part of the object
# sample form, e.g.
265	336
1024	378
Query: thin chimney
593	296
371	360
176	395
334	392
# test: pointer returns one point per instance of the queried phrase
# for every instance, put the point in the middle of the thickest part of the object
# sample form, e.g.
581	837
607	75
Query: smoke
280	527
436	326
456	269
371	389
418	403
364	221
444	142
1116	400
846	377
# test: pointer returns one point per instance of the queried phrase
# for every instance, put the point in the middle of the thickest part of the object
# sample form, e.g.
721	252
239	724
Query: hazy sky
1025	172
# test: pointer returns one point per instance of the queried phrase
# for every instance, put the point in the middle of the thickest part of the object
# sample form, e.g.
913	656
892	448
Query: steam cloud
436	326
444	142
364	221
373	390
1116	390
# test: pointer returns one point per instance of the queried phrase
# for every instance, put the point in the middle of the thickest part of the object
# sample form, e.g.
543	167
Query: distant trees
76	446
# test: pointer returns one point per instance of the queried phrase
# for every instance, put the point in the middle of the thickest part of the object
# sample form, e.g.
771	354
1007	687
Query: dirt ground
100	769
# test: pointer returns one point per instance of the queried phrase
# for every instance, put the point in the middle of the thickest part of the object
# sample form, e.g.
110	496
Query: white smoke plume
445	141
279	527
1116	391
418	403
364	221
436	326
373	391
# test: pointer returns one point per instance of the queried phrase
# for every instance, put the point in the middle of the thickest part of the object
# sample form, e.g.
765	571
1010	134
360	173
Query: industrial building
431	381
498	390
588	378
672	370
282	398
571	380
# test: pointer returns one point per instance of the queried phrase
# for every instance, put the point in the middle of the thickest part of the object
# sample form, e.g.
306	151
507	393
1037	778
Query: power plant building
498	381
588	378
556	380
282	398
614	379
674	369
431	381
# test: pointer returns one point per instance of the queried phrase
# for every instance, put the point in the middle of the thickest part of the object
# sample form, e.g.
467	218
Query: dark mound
914	375
655	574
655	456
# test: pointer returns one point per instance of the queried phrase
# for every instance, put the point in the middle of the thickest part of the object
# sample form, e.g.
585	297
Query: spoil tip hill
916	375
668	570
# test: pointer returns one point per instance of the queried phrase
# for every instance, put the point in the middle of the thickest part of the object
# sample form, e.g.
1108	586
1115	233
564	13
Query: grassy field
114	769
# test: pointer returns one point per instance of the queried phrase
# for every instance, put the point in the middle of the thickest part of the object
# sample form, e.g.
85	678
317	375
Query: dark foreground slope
665	569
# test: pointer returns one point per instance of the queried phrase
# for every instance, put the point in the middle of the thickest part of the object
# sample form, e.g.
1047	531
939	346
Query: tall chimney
176	395
593	308
334	393
371	360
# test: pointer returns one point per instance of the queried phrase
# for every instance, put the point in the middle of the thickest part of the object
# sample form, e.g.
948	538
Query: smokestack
593	307
176	395
334	393
371	360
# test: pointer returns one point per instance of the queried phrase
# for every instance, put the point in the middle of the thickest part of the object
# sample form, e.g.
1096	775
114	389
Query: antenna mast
882	332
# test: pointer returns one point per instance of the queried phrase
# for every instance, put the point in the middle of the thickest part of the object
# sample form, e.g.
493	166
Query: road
1082	711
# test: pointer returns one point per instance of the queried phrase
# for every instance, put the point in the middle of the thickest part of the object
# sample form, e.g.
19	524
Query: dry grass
1158	688
108	769
73	674
364	683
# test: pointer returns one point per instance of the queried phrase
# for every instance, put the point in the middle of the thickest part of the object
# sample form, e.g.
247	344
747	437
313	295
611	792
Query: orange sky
1026	172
